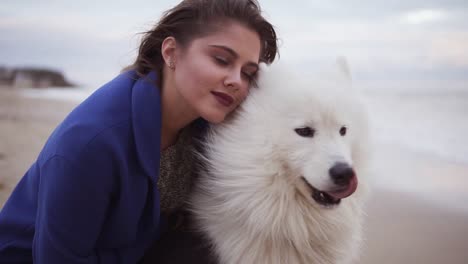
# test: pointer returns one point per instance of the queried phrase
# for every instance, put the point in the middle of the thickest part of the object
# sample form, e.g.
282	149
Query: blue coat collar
146	116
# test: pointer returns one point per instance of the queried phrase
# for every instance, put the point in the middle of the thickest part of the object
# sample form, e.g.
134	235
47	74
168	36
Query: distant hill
32	78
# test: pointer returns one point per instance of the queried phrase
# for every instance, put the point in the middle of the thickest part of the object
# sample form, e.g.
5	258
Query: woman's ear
168	51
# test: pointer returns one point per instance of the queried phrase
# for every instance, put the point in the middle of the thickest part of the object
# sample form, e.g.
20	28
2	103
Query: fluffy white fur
250	199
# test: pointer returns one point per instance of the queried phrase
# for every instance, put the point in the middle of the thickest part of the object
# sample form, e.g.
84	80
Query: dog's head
317	129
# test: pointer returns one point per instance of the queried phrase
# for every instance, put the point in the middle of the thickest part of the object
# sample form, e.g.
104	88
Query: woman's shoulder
101	122
79	141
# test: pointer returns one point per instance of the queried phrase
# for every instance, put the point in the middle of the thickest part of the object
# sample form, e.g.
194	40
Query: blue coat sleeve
72	204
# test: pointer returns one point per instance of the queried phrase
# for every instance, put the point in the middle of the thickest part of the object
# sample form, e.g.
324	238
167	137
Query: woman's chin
214	119
215	116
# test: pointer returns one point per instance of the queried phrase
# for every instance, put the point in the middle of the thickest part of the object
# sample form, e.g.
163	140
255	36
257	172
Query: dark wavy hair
191	19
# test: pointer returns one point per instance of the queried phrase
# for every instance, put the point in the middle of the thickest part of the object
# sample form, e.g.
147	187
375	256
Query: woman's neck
176	113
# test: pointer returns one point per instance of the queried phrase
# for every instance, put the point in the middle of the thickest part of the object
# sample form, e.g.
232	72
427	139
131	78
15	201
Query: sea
428	123
433	122
427	129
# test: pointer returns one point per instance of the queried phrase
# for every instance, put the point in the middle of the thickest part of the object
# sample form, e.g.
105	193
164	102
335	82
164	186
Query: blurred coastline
416	212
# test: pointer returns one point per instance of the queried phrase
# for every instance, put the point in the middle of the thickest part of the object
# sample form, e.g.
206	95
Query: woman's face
214	73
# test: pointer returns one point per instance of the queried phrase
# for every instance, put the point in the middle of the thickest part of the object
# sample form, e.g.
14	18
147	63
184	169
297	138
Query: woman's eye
248	76
343	130
305	131
221	60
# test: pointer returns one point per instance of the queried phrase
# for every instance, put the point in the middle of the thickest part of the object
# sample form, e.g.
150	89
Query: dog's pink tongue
347	191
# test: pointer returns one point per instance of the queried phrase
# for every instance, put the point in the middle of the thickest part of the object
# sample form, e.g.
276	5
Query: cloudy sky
388	43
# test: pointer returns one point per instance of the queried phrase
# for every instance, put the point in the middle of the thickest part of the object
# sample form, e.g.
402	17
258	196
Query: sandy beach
25	125
420	218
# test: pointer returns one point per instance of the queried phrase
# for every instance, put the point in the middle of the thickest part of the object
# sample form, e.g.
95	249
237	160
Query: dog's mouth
331	199
322	198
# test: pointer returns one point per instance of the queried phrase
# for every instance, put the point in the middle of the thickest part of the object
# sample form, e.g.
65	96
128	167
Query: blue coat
91	196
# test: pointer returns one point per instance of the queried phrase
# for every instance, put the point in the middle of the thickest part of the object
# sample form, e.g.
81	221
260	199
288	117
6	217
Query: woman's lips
223	98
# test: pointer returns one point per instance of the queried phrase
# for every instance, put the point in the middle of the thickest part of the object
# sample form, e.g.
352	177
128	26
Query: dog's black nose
341	174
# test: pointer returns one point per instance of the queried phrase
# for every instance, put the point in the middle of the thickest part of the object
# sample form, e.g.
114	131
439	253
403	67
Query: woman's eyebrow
234	54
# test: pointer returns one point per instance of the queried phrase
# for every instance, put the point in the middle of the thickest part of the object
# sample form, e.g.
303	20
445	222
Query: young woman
92	195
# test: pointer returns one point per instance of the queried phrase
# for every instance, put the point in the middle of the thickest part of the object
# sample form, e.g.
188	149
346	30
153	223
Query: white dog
280	179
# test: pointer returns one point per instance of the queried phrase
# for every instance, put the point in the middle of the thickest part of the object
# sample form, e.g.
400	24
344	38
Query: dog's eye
343	131
305	131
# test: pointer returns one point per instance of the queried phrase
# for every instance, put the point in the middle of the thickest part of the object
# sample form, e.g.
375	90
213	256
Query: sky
389	44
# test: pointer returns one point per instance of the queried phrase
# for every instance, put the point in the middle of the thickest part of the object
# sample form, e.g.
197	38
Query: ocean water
76	94
432	122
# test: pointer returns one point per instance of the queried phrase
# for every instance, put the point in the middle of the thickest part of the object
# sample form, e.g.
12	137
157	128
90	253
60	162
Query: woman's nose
234	80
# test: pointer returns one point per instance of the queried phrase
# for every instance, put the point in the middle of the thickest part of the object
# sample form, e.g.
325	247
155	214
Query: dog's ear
338	72
343	66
